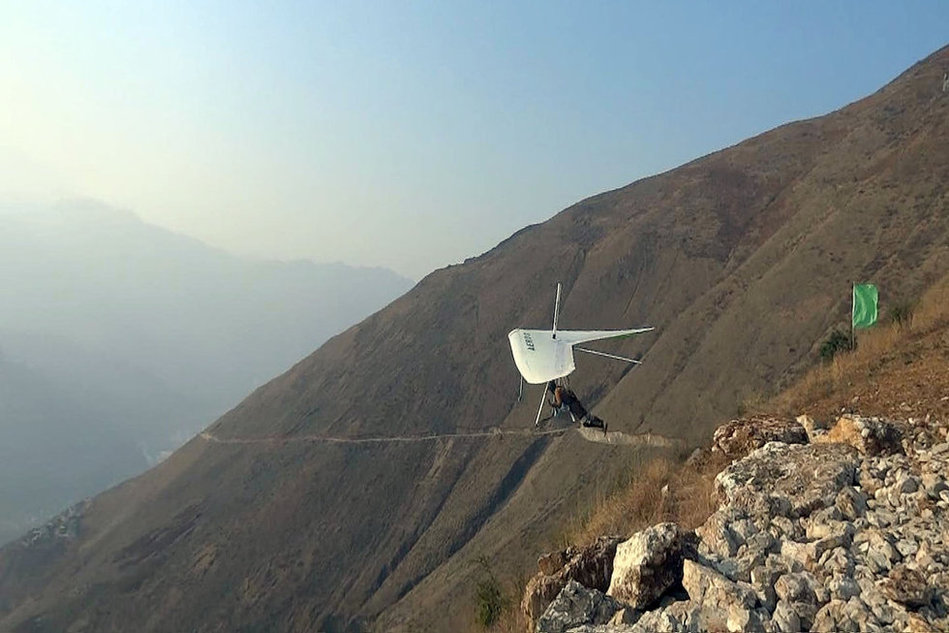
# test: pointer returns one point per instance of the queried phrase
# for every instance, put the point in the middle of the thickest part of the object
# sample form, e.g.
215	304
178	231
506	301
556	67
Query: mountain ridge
742	258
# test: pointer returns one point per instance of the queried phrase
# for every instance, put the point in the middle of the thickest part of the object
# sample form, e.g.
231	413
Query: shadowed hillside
742	259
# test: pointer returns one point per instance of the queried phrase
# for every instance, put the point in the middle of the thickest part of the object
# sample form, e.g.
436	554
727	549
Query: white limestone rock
646	565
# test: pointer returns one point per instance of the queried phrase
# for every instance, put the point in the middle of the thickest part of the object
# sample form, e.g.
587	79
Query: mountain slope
743	260
897	375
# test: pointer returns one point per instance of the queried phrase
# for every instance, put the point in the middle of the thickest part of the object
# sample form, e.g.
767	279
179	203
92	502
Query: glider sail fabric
585	336
540	357
865	299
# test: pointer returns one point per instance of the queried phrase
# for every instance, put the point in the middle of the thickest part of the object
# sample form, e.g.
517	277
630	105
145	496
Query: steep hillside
743	259
897	371
855	505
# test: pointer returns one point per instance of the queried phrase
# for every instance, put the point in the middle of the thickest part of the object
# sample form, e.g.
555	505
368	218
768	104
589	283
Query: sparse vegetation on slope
897	369
662	489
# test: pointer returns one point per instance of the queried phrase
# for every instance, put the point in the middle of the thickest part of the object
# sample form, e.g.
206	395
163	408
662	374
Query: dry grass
513	619
875	348
662	489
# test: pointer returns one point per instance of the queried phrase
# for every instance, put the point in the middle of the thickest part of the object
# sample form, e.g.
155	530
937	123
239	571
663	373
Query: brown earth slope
743	260
894	388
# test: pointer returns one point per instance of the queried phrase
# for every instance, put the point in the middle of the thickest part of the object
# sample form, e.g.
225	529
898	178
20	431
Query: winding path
589	434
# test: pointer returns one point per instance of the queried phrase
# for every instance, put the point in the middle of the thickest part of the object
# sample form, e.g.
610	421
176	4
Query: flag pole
853	305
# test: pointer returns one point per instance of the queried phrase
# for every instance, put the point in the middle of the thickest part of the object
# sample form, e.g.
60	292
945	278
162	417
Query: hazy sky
409	134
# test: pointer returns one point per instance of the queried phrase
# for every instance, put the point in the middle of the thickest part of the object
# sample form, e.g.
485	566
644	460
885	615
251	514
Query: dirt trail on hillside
589	434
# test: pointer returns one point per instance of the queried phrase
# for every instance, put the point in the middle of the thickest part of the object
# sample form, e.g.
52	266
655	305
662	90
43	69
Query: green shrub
490	599
835	342
900	313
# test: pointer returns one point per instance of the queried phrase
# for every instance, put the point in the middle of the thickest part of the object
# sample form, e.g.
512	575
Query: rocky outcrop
576	605
721	599
870	436
782	480
590	566
830	536
737	438
63	527
647	565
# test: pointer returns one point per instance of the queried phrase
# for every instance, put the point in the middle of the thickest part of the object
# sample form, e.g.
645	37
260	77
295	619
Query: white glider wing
540	357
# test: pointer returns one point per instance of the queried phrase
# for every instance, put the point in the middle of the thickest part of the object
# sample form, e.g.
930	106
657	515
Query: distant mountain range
119	340
743	259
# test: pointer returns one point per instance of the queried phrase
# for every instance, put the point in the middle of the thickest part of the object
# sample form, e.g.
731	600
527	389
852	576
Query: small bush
901	313
490	599
835	342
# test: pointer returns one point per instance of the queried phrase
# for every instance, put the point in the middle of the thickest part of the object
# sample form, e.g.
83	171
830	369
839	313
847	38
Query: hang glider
545	355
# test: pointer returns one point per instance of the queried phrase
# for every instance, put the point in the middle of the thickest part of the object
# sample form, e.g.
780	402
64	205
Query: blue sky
410	135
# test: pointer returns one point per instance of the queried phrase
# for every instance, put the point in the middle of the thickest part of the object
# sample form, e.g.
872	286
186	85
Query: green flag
864	305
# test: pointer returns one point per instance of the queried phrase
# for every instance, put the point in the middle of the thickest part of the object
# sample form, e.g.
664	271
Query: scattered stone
626	615
907	586
847	533
917	624
798	555
843	588
785	619
870	436
591	566
763	579
786	480
806	612
65	526
795	587
844	615
828	617
716	593
738	438
576	605
680	617
852	503
787	528
836	534
647	564
741	620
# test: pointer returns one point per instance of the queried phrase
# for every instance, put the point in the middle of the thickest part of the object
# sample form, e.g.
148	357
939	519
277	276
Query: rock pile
848	531
739	437
591	567
64	526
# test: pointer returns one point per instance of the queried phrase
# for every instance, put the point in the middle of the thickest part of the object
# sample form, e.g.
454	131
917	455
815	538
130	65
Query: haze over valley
119	340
